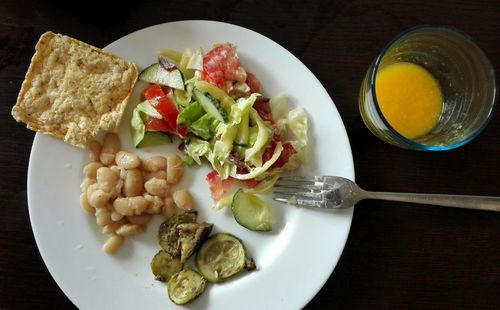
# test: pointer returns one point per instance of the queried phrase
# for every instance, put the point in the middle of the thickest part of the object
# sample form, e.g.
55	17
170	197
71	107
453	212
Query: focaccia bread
72	90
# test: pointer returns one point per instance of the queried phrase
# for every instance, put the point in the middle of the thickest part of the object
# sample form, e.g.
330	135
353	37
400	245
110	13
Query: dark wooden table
397	255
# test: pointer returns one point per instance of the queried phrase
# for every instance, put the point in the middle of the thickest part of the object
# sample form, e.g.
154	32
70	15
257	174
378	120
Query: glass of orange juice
431	89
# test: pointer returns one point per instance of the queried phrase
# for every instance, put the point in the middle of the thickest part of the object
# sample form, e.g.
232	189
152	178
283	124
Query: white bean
107	179
129	230
127	160
169	209
142	219
133	183
160	174
155	204
90	170
98	198
112	227
157	187
175	169
154	163
113	244
110	146
86	183
94	150
183	200
103	217
84	203
130	205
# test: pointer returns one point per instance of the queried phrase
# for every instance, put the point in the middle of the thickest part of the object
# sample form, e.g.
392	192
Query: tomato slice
221	64
262	107
253	83
156	124
155	95
287	151
218	188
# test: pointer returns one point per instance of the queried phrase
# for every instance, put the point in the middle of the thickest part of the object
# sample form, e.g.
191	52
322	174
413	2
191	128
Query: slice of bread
73	90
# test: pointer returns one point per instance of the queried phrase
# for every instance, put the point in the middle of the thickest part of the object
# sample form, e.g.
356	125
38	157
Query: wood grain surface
398	256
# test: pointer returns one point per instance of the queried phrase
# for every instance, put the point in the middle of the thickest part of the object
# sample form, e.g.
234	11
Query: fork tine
300	178
301	202
311	195
297	187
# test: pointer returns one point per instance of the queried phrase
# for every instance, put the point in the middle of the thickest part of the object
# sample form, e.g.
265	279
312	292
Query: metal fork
330	192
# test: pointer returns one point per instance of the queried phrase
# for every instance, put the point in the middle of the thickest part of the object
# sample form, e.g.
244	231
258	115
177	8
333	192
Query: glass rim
408	142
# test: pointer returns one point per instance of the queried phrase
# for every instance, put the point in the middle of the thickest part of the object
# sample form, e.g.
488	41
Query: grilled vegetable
185	286
191	236
221	257
168	234
164	266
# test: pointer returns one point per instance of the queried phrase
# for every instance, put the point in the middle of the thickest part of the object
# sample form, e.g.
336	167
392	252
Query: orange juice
409	98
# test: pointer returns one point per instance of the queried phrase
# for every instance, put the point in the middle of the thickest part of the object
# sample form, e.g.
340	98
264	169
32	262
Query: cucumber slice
210	105
158	75
251	212
221	257
185	286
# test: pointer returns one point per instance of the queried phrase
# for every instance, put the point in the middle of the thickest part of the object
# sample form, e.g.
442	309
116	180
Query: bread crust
73	90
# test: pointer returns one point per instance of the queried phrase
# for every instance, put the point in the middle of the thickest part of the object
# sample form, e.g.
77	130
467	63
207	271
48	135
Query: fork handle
457	201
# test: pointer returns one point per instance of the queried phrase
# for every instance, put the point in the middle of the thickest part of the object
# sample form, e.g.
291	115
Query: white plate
294	260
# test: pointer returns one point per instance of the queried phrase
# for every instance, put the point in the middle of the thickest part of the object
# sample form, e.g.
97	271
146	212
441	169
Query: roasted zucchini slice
164	265
221	257
185	286
191	236
168	234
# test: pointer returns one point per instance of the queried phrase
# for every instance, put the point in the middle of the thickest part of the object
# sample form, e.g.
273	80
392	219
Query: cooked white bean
107	179
103	217
183	200
133	183
116	170
169	209
110	146
175	169
113	244
154	163
115	216
160	174
129	230
94	150
157	187
155	204
84	203
107	159
127	160
112	227
86	183
90	170
98	198
130	205
111	143
142	219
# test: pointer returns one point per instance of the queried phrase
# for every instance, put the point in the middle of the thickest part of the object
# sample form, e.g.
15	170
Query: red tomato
262	107
156	124
287	151
156	97
253	83
220	65
218	188
250	183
